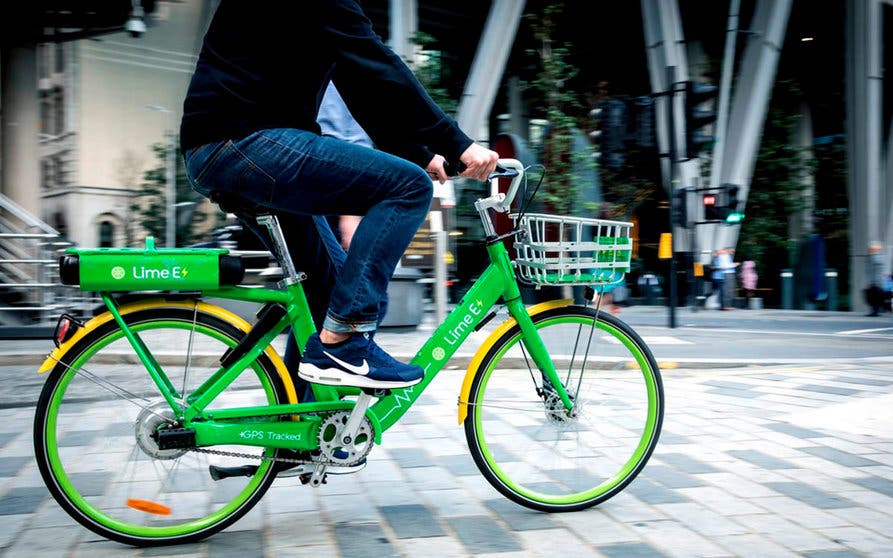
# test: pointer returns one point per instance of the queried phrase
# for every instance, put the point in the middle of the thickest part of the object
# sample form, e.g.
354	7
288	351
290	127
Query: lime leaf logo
118	272
438	353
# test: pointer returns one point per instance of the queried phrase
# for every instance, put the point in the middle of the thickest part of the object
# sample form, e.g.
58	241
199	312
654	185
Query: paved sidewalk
771	461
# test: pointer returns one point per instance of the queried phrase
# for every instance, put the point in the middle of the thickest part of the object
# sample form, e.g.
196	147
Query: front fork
530	337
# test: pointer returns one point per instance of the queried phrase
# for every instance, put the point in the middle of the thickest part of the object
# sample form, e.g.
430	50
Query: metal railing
30	291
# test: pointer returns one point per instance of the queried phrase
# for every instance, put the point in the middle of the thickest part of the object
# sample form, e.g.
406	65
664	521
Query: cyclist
249	130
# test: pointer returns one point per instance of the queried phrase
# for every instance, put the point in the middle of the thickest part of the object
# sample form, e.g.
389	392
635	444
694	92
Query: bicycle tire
523	442
98	469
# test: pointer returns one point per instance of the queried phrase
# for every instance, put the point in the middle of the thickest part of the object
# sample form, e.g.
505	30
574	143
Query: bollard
831	288
787	289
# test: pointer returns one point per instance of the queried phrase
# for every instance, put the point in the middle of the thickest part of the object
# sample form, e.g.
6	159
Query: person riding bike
249	133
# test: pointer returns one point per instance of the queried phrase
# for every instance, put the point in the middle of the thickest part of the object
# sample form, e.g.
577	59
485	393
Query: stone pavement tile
801	513
519	518
822	475
37	542
349	508
381	468
102	548
760	459
834	390
673	538
5	437
629	550
750	545
391	493
737	485
810	495
807	462
704	521
296	529
554	542
847	445
412	521
478	487
652	493
445	446
336	484
430	478
10	466
193	549
440	547
875	484
670	477
293	551
626	508
50	514
684	463
251	521
877	382
454	502
11	526
833	554
874	520
840	457
595	527
670	438
459	465
411	457
288	496
720	500
481	534
22	500
787	533
861	540
363	539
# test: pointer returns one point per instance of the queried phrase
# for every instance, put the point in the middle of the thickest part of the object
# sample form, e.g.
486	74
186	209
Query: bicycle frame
222	426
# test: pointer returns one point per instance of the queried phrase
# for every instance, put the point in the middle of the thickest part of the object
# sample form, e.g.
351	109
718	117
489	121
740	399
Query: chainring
336	450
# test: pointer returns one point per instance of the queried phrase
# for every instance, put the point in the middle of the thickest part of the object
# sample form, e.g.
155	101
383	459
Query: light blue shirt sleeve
335	120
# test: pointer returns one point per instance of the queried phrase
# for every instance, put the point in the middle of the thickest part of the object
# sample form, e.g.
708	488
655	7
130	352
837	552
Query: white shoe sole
335	377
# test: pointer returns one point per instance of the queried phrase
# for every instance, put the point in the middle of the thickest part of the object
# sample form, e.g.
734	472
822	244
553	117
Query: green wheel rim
634	461
77	500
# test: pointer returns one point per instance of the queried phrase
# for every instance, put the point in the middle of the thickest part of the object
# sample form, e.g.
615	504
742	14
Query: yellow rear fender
56	355
488	344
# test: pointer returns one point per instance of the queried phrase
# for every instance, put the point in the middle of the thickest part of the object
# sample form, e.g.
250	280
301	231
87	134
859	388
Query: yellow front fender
56	355
486	345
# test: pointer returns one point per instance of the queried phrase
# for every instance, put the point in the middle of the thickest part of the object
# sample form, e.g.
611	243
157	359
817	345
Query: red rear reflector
62	330
148	507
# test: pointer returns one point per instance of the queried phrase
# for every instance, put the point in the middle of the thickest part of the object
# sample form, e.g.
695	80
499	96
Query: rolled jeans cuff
333	324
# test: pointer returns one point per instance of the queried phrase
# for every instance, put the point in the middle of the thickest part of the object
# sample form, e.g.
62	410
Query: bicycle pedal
220	473
307	477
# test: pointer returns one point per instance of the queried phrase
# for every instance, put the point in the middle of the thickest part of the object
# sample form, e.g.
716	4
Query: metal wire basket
556	250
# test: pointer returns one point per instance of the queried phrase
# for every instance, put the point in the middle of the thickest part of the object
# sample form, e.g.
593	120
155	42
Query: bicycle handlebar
505	168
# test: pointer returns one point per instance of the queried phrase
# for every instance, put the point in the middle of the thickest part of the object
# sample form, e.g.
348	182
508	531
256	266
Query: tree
431	72
149	205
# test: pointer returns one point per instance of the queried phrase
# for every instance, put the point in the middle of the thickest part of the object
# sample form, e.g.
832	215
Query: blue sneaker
357	362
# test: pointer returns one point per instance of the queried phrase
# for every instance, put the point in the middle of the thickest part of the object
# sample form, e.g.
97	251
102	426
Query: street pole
671	188
440	275
170	230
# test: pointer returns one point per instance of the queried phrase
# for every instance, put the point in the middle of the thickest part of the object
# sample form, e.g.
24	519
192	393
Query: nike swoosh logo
361	369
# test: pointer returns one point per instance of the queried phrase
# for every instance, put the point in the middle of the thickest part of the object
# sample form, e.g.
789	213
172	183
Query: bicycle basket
556	250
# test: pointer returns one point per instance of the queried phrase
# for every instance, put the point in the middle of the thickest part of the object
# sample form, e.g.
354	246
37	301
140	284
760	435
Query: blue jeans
298	174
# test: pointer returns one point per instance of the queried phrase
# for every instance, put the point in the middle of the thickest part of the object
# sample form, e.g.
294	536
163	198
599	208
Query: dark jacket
266	64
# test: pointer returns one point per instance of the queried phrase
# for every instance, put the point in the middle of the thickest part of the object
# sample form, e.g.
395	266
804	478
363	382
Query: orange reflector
148	507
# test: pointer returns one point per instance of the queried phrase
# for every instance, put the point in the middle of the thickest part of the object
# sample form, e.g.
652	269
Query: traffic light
711	209
697	117
732	215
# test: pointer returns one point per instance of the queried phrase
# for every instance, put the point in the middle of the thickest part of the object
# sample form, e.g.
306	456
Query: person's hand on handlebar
479	162
436	170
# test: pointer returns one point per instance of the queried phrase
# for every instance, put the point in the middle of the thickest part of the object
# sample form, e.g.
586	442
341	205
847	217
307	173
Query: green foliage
431	72
778	187
563	111
149	205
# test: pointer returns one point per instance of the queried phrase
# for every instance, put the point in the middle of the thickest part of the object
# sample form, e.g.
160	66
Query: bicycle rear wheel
523	439
94	425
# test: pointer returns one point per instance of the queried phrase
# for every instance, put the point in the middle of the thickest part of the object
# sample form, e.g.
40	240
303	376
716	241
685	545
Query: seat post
280	248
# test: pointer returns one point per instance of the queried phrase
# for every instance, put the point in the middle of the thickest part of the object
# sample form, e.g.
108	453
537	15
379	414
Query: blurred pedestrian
723	277
874	279
749	278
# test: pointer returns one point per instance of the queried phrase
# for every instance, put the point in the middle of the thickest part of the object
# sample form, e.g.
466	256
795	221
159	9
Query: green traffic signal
734	218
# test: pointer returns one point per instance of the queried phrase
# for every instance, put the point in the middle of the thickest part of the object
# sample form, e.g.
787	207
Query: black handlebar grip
452	170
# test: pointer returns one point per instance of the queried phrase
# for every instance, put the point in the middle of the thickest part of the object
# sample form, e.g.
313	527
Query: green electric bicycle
166	418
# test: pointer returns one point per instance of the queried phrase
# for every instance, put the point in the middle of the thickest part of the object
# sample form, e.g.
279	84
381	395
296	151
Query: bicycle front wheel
95	424
539	454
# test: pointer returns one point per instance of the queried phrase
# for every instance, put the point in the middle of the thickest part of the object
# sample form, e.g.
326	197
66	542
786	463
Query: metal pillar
864	89
751	101
20	125
488	66
725	88
404	22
